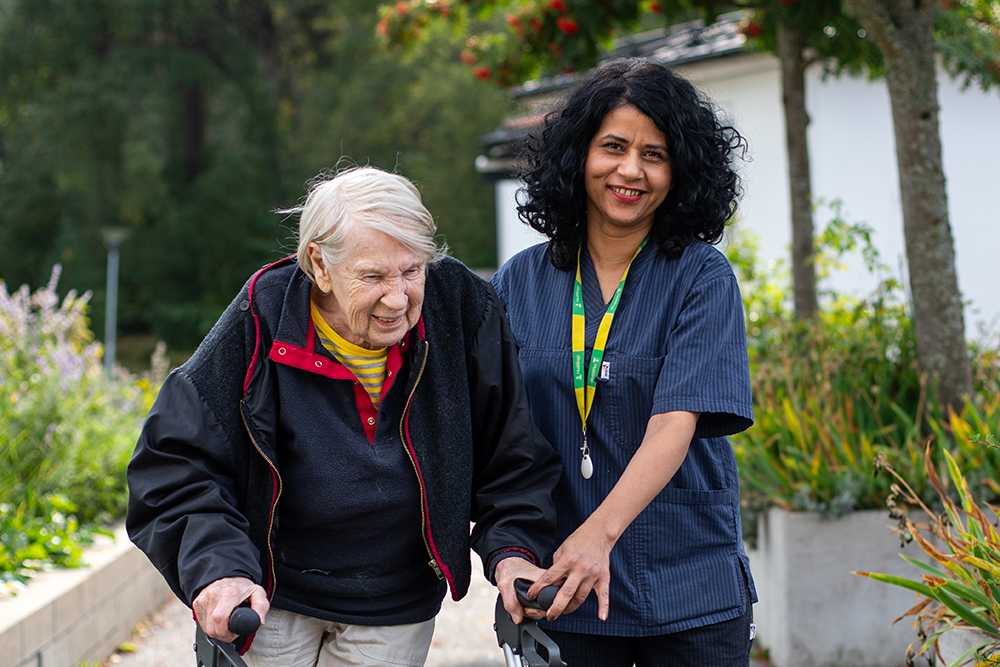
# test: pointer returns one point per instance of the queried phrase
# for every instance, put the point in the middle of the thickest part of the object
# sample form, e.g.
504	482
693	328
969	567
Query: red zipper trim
256	320
427	512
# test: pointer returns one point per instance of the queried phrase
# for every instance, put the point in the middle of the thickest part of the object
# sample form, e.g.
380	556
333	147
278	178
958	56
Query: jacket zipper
413	461
270	519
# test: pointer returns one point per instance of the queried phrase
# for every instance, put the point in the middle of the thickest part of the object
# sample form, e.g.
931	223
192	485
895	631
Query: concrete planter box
954	643
69	617
812	611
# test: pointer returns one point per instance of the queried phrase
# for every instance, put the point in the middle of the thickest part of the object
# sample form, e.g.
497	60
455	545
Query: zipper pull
436	568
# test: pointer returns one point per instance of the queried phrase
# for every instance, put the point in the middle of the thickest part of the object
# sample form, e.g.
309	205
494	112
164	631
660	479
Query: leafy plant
962	589
834	392
828	392
66	430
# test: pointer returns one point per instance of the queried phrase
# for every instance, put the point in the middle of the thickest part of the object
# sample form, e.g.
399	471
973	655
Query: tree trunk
256	23
793	97
193	128
904	31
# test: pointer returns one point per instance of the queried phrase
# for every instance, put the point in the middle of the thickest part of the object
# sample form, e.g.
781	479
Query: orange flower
482	73
402	8
557	5
655	8
383	26
515	24
468	58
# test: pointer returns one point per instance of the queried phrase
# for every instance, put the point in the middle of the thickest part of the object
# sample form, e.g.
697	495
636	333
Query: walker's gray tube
512	660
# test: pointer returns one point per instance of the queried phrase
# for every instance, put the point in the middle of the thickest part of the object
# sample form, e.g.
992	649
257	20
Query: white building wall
512	235
853	159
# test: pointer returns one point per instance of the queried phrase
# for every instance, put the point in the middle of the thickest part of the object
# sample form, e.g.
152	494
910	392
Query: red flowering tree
510	41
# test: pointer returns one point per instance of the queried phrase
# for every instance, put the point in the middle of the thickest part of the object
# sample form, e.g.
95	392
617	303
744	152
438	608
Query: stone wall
67	618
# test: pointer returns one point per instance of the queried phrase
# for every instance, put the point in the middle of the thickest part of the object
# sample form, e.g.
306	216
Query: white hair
363	197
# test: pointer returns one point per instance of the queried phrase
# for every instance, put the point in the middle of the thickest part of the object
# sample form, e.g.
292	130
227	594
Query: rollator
523	645
212	652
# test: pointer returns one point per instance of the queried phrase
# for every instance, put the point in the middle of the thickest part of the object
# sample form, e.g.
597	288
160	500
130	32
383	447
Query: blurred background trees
188	122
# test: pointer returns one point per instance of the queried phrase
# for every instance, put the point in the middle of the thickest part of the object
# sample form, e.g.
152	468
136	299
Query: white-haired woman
322	453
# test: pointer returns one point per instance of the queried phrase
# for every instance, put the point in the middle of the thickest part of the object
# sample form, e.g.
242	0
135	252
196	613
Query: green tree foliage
512	41
421	112
187	122
140	115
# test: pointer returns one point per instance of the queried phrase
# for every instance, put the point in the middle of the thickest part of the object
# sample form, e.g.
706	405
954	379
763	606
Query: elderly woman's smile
373	296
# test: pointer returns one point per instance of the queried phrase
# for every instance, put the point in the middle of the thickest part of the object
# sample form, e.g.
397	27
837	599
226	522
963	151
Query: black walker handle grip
210	652
244	621
545	597
526	644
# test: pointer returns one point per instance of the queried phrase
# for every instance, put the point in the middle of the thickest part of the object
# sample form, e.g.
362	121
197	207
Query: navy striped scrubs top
677	343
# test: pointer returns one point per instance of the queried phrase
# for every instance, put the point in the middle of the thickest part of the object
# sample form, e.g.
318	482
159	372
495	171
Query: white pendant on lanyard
586	464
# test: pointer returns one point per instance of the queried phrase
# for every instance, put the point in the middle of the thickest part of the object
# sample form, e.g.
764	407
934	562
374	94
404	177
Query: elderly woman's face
373	297
627	172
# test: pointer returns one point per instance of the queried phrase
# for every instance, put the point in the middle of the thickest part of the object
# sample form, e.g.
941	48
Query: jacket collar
295	335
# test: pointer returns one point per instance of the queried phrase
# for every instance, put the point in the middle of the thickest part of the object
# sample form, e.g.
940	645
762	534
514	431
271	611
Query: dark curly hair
704	188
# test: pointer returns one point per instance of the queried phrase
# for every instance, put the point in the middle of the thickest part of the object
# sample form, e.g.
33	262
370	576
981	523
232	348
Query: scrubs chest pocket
626	387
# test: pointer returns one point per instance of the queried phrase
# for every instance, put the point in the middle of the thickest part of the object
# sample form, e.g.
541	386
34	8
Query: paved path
463	635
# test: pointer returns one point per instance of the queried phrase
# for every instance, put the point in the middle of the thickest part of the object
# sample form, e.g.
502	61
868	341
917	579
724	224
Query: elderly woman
631	339
322	453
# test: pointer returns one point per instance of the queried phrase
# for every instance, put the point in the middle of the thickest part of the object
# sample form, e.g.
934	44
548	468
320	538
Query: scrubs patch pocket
692	539
628	393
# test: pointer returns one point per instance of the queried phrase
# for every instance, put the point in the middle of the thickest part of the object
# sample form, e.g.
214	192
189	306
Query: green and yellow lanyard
585	389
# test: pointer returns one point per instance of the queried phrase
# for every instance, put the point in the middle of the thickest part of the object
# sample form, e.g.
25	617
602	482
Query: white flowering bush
66	429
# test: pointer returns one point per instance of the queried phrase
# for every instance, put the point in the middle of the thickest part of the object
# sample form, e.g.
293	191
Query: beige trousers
292	640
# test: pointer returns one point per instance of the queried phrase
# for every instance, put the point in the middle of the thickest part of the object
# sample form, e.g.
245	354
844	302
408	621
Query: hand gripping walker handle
521	643
211	652
544	600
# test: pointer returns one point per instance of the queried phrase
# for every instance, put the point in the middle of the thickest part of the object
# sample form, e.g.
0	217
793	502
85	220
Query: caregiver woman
632	343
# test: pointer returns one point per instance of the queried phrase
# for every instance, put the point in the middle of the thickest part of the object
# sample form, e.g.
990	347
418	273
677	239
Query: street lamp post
113	238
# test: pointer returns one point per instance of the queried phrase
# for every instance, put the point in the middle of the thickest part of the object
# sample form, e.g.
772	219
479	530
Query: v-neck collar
593	300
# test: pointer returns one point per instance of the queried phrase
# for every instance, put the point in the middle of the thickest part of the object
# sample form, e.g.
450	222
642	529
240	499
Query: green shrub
66	429
830	394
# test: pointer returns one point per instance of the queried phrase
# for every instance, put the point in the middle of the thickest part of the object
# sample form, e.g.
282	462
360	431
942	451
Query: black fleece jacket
205	478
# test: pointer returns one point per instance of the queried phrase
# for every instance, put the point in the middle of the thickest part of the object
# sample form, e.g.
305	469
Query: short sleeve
706	369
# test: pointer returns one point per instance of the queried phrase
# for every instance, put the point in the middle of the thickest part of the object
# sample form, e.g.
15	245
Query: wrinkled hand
582	563
216	602
505	573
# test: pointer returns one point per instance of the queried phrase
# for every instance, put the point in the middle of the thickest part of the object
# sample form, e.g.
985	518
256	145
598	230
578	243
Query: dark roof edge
677	45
